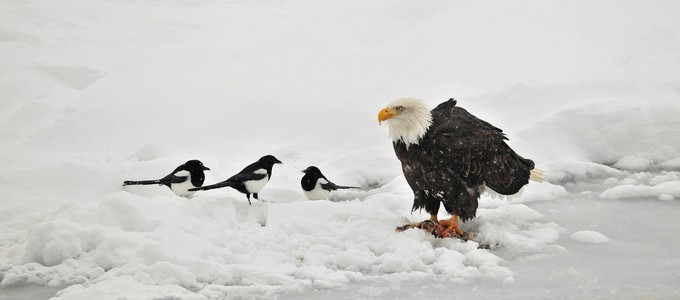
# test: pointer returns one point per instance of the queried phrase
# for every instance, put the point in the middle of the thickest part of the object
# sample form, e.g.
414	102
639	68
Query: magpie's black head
195	165
311	170
269	160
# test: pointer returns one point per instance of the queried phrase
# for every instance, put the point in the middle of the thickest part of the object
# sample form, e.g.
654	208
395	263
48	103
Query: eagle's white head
409	119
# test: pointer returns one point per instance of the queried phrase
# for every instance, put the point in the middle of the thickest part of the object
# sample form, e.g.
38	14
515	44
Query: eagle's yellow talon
451	224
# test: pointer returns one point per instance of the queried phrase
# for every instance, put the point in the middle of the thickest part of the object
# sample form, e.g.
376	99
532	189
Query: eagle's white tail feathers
537	175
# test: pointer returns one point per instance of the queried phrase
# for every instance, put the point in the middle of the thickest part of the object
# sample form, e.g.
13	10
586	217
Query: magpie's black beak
278	162
206	168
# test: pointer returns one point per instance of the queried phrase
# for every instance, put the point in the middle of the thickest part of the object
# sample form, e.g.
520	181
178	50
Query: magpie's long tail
213	186
343	187
141	182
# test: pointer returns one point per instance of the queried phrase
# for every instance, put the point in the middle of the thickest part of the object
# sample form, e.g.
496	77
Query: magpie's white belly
255	186
317	193
182	188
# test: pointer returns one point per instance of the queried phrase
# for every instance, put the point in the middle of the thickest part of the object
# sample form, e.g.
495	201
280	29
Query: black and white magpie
250	180
318	187
187	176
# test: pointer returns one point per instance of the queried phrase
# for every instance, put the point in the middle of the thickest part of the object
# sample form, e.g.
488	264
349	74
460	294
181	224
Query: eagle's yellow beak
385	114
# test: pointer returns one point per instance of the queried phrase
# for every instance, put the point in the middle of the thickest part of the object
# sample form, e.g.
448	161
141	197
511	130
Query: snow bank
589	237
663	191
208	246
517	231
627	133
561	172
134	287
665	186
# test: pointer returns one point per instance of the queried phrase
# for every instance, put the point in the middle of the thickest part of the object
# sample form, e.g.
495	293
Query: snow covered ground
93	93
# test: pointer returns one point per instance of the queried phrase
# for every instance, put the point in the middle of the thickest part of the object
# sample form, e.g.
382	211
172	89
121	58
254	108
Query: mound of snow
210	245
634	162
671	164
610	132
643	191
589	237
52	242
516	230
559	172
133	287
543	191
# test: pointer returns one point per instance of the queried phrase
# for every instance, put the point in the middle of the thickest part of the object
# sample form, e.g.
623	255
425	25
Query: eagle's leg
433	218
451	224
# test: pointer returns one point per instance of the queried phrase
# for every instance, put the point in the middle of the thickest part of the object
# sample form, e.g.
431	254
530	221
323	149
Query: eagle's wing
476	149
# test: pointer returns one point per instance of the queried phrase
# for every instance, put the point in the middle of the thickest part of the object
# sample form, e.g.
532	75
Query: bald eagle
450	156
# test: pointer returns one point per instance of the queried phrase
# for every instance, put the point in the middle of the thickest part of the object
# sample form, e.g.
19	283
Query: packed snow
589	237
94	93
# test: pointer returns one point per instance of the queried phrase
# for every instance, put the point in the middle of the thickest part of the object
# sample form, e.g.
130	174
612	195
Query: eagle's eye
399	108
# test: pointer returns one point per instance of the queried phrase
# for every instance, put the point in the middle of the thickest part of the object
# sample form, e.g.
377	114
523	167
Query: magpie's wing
247	176
176	177
332	186
329	186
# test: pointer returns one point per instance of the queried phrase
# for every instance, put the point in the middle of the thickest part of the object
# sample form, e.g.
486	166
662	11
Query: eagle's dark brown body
457	156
